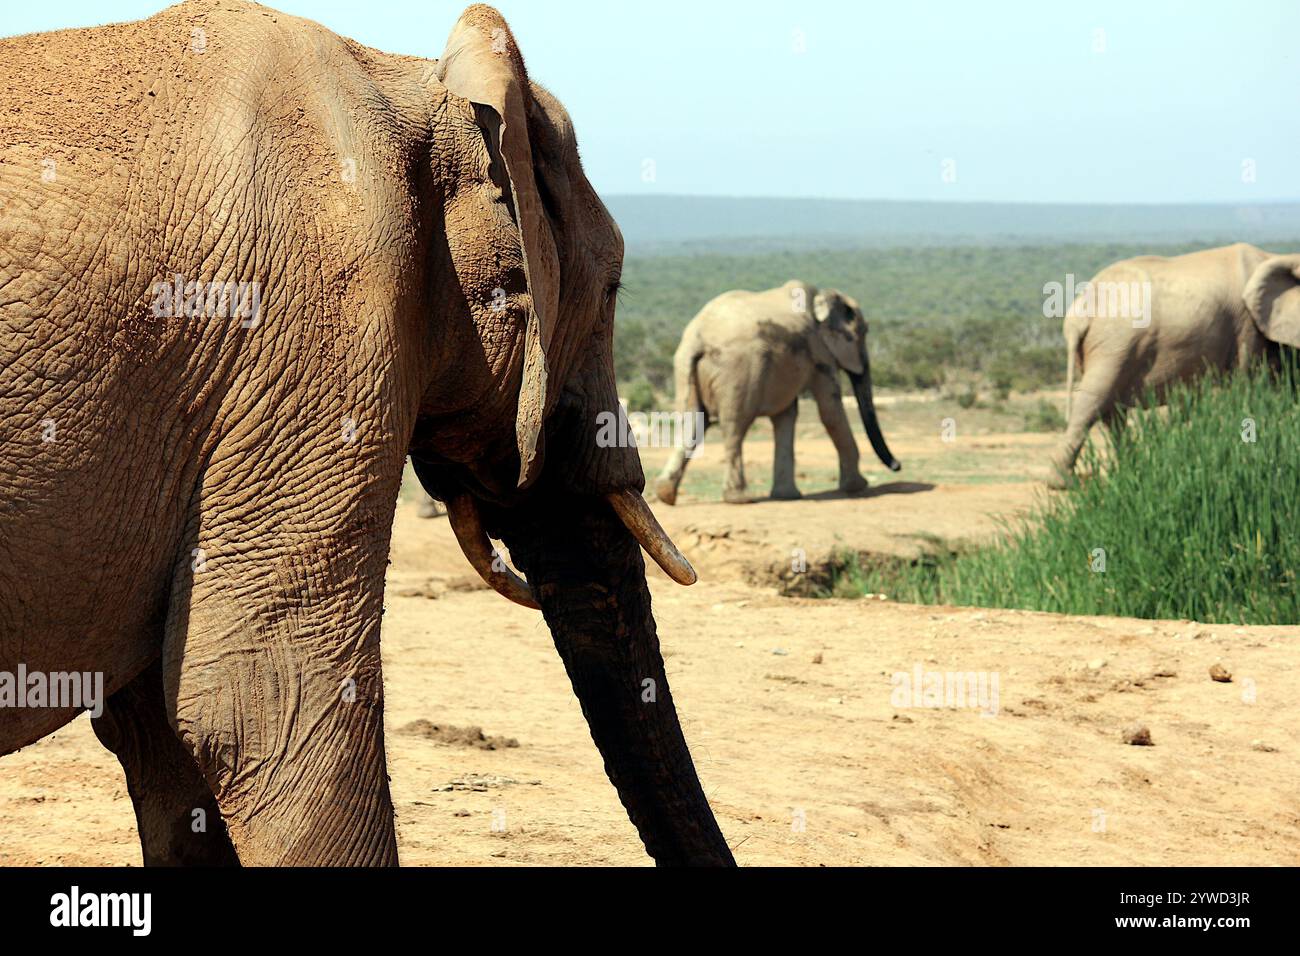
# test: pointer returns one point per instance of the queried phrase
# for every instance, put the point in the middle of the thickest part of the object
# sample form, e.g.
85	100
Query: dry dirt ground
807	751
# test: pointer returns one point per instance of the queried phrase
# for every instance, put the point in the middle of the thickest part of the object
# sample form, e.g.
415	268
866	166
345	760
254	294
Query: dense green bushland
1190	512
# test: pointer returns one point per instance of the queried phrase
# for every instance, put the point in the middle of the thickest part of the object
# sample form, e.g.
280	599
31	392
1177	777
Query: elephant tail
1069	378
1074	329
686	375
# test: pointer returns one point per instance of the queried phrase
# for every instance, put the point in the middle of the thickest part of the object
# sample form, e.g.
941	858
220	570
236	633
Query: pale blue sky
868	100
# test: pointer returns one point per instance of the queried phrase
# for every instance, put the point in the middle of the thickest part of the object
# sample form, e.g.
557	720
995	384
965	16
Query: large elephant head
508	434
1273	297
842	331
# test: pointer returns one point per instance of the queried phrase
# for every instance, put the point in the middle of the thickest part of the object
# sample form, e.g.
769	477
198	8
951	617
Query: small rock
1220	673
1262	747
1096	664
836	700
780	652
817	658
1137	735
903	719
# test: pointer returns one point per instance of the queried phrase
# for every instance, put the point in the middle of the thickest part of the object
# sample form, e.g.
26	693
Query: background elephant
430	507
1149	322
197	504
748	354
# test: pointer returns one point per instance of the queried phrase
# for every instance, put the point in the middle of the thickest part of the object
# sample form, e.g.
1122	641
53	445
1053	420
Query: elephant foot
786	494
855	487
430	509
1058	481
666	491
737	496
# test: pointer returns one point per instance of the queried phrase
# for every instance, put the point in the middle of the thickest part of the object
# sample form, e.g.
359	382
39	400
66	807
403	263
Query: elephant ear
482	64
846	350
1273	297
824	305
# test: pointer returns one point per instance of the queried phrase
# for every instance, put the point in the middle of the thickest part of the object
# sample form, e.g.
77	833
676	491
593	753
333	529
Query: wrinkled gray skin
200	509
1214	310
751	354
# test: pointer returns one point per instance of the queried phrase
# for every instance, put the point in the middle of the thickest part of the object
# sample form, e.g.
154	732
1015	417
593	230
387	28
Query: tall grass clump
1189	512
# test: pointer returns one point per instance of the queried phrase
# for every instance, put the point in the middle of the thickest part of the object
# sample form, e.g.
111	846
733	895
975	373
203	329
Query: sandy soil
807	752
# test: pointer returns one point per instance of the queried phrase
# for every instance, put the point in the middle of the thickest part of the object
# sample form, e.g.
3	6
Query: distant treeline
656	223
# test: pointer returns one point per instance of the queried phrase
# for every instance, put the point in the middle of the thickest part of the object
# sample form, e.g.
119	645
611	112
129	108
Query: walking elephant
250	266
751	354
1150	322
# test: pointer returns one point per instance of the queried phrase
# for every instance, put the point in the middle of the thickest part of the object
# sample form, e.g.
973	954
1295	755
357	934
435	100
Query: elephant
249	267
750	354
429	507
1150	322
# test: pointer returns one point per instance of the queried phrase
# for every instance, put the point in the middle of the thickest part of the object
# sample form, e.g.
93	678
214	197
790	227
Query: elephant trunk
588	573
867	409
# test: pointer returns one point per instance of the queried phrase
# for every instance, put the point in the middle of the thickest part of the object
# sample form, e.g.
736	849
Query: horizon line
1227	203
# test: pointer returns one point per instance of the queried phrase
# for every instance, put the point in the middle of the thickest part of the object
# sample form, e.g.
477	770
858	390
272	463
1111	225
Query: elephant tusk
640	520
491	567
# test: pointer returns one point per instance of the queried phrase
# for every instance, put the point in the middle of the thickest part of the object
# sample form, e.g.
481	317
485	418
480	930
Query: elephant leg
783	485
429	507
289	738
1095	399
692	433
733	440
830	408
272	669
175	812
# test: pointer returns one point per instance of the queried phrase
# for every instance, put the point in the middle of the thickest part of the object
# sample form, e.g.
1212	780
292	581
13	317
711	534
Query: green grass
1191	521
